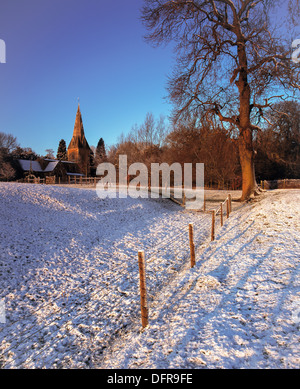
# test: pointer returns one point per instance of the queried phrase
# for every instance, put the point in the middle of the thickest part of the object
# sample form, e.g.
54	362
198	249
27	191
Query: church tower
79	150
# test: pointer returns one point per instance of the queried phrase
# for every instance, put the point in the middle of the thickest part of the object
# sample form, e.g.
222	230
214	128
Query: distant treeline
277	147
157	141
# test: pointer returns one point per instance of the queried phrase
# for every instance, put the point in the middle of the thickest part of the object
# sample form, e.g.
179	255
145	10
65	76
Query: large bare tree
232	64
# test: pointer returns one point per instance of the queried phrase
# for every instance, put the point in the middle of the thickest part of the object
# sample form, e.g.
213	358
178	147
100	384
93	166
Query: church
78	163
79	150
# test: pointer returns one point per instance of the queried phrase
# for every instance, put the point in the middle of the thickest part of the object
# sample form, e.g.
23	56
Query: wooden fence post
230	202
221	214
192	246
143	291
213	214
227	208
204	203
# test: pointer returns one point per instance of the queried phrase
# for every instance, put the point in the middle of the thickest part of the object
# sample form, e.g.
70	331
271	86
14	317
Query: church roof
70	167
51	166
28	165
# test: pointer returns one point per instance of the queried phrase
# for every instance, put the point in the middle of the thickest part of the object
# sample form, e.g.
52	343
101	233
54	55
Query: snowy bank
240	306
69	269
69	282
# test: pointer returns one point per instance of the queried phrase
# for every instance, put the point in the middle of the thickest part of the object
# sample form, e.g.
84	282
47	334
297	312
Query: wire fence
45	330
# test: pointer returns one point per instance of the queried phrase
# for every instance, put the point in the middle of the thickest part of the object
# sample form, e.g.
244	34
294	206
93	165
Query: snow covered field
69	287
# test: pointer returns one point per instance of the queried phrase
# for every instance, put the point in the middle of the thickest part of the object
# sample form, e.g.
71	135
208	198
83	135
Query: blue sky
59	50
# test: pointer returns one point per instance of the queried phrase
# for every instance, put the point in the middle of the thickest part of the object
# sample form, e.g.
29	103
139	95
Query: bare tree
211	146
50	153
6	170
8	142
278	146
24	153
232	64
146	132
151	132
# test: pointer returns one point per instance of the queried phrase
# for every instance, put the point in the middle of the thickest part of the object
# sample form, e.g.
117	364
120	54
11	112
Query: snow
28	165
69	285
51	166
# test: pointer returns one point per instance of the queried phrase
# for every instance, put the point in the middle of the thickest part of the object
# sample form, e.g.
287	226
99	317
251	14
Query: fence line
192	246
286	183
228	202
143	289
78	179
81	310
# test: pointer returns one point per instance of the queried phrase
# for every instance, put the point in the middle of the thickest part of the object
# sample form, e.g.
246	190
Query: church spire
78	126
79	150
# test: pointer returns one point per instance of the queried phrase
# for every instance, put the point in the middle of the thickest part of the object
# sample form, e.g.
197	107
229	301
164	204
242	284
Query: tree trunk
245	138
247	164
